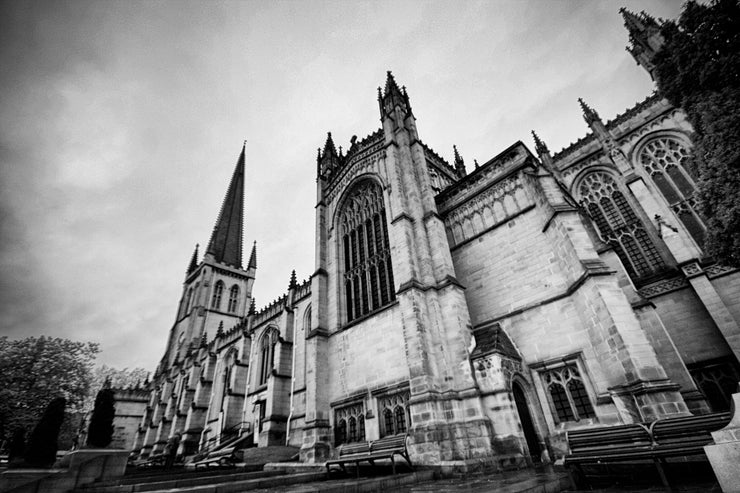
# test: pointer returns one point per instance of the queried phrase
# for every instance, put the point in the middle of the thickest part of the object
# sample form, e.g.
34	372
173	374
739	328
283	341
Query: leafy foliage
698	69
100	432
42	445
35	368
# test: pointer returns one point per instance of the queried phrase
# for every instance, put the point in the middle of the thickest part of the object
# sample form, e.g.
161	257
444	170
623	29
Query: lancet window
368	274
349	424
619	225
233	298
394	412
663	159
568	396
267	354
218	291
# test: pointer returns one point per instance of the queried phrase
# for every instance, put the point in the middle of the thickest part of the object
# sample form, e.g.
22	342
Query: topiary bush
42	445
100	431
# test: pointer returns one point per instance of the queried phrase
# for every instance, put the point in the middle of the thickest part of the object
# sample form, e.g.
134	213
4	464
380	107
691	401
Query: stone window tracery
267	354
619	225
717	380
568	396
368	274
218	291
663	159
349	424
233	298
395	411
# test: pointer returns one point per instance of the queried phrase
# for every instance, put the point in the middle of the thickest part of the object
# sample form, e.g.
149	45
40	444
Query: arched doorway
530	435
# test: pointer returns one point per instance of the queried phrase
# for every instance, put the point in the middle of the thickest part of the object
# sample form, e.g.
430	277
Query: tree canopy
698	69
35	370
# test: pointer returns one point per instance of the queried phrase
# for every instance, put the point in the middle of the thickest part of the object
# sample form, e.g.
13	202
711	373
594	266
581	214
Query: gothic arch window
188	298
568	396
367	274
218	291
307	320
349	424
663	158
233	298
267	354
619	225
394	410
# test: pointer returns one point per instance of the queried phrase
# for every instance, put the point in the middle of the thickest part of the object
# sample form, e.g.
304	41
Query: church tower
391	328
217	290
645	38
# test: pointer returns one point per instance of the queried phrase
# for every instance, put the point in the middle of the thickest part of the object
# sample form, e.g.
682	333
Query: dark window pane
580	399
679	179
561	403
400	420
668	191
694	226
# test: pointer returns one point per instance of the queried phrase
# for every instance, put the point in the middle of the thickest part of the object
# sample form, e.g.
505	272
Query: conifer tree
17	446
100	432
698	69
42	445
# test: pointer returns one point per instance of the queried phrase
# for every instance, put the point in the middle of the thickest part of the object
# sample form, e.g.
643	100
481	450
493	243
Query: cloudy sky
121	122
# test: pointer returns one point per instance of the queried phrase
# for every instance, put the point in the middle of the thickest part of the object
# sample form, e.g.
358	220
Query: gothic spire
589	114
226	239
252	307
459	162
539	145
253	257
393	96
204	339
193	260
329	146
644	36
293	281
220	330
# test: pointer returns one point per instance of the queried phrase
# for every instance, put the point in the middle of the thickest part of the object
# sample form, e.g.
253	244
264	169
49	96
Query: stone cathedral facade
483	313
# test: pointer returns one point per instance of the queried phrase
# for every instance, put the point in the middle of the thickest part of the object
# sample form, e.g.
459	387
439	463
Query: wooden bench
385	448
225	457
643	442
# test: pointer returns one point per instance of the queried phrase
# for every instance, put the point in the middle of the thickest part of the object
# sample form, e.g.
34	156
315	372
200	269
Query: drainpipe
292	384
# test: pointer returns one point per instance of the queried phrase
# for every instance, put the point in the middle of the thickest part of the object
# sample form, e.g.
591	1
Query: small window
267	354
394	410
349	424
717	380
568	396
218	292
233	298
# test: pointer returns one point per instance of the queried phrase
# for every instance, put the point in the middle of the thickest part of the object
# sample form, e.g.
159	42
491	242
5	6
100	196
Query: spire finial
293	281
204	339
589	114
252	307
459	162
539	145
253	257
220	330
226	240
193	260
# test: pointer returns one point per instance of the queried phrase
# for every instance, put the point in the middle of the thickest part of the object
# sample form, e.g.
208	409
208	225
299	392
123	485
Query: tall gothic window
218	292
267	354
663	159
233	298
349	424
568	396
619	225
368	274
395	414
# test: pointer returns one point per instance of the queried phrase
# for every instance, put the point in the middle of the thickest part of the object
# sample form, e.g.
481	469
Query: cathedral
482	312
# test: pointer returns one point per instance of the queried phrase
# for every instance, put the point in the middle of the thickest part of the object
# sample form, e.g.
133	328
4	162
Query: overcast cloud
122	122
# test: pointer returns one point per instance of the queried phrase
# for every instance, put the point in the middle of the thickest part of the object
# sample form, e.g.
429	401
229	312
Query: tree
42	445
100	432
35	368
698	69
17	447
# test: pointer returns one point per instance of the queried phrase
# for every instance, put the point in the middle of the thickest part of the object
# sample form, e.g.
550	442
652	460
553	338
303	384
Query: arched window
349	424
233	298
395	414
568	395
340	432
400	419
267	354
368	274
619	225
218	291
307	320
663	159
187	300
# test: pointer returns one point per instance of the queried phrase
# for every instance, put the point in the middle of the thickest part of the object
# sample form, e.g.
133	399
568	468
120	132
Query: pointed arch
618	224
367	273
218	291
233	298
267	345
